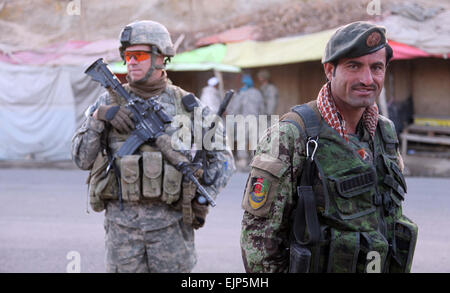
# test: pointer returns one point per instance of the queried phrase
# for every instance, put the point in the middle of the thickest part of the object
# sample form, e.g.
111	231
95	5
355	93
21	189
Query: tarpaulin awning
278	52
68	53
233	56
300	49
204	58
403	51
40	108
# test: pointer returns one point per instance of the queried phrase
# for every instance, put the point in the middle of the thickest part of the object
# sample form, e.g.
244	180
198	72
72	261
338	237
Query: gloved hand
118	116
200	211
199	174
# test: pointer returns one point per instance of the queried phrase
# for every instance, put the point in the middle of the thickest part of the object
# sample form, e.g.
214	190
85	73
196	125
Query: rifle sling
305	217
111	160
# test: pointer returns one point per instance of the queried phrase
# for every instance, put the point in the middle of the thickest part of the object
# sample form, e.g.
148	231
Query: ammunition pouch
343	253
373	252
405	239
171	184
158	179
357	252
152	174
194	214
143	177
394	184
130	177
102	185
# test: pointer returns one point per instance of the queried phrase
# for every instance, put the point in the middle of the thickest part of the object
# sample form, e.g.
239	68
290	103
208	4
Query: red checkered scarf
329	112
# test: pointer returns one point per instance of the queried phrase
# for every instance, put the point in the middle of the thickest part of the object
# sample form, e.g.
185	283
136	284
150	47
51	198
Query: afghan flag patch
258	192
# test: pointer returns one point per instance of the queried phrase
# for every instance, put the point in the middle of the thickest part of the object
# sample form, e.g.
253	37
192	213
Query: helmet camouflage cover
147	32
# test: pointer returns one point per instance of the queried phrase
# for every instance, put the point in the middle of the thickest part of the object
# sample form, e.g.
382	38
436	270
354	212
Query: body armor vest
362	228
144	175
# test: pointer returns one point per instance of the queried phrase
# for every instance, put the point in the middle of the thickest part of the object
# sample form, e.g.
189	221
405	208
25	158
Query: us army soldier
153	231
269	92
247	102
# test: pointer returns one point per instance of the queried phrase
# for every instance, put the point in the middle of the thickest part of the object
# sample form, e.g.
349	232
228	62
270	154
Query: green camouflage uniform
352	224
149	234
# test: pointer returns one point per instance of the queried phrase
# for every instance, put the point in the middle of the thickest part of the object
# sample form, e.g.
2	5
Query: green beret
354	40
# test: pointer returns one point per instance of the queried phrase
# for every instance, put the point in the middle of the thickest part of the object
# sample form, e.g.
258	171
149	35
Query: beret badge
373	39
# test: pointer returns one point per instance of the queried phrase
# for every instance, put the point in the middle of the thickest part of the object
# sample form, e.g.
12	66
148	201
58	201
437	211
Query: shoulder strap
295	120
310	119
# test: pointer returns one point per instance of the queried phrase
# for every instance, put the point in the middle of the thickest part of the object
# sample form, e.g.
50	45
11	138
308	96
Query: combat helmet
147	32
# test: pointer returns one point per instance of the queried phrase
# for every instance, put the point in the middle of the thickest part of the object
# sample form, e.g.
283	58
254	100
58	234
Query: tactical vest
145	175
361	225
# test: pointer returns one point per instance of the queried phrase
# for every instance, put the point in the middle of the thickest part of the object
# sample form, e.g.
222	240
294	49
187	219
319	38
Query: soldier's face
357	82
137	69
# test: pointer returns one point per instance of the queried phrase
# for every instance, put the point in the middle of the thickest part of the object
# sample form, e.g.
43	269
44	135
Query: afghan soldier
247	102
326	187
151	228
268	91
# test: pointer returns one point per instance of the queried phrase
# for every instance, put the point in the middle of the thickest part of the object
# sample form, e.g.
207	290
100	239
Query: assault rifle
201	154
151	121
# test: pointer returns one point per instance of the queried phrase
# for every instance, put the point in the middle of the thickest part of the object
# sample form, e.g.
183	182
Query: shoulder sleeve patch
262	184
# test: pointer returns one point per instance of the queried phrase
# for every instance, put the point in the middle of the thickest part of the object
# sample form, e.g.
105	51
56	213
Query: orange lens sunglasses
137	55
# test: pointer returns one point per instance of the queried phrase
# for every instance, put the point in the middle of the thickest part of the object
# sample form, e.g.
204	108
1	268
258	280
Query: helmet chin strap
152	67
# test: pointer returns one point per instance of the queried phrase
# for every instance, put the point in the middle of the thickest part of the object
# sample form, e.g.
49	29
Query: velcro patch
258	192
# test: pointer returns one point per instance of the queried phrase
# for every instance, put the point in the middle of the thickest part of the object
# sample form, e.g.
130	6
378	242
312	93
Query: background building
45	46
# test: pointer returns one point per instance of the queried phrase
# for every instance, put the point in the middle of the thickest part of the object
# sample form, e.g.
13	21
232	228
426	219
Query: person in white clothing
210	95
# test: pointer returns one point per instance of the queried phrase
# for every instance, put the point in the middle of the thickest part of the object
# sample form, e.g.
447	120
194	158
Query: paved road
43	217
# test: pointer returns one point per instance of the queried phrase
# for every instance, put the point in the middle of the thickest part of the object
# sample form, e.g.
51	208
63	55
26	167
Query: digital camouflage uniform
270	96
248	102
358	199
155	230
245	103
